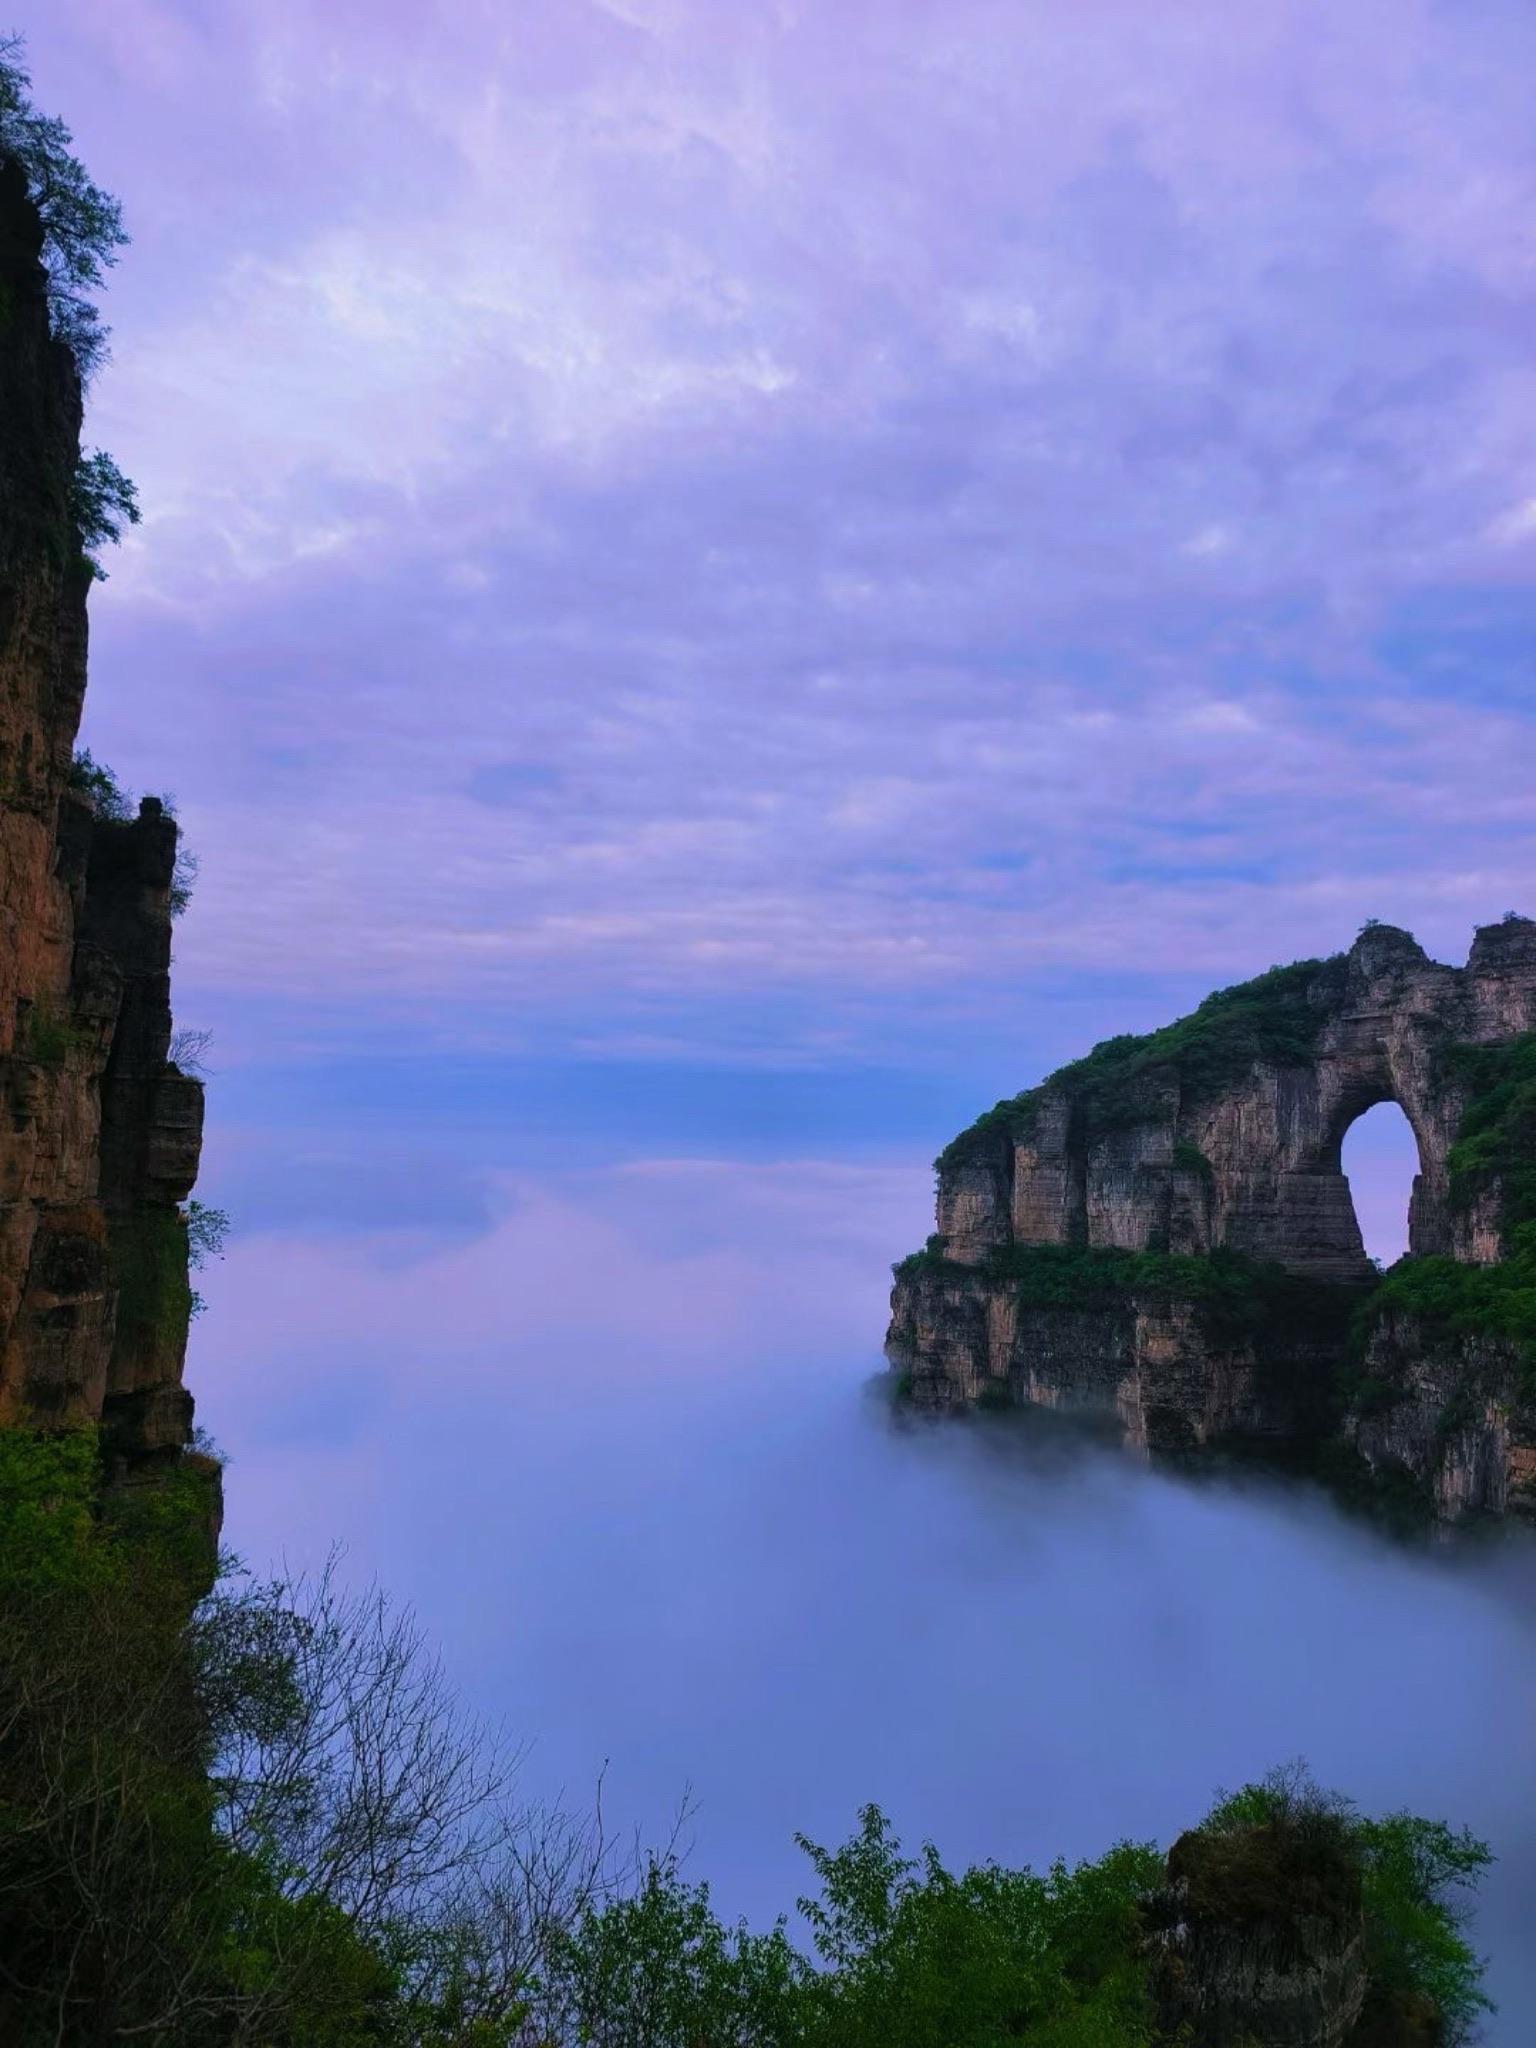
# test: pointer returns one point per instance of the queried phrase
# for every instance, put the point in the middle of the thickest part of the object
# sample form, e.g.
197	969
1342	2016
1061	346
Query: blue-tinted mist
617	1443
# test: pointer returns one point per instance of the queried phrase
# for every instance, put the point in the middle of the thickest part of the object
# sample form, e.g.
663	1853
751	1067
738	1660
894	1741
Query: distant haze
623	1452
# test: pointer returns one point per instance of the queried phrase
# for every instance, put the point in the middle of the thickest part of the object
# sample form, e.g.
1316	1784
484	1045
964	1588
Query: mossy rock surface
1274	1873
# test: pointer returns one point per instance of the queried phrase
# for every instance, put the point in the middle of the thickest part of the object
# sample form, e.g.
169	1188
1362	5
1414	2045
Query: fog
627	1452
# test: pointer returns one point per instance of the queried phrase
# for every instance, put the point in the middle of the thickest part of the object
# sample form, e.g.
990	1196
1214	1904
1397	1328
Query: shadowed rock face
1259	1943
99	1133
1222	1135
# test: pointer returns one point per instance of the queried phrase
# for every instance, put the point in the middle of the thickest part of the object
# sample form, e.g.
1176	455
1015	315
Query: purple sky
782	534
721	584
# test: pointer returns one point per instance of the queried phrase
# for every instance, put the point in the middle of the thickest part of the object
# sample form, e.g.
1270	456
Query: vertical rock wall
99	1133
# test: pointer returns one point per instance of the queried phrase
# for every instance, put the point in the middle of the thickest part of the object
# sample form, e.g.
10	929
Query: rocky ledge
1161	1233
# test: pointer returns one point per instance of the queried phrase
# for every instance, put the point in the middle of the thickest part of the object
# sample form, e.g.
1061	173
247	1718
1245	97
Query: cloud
1516	524
614	1449
677	508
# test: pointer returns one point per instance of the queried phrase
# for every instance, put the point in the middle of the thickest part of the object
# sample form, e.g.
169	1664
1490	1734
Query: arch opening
1380	1160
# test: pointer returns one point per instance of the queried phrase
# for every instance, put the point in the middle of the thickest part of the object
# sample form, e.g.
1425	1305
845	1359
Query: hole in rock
1381	1158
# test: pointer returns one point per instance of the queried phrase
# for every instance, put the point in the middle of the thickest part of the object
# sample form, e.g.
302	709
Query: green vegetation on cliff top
1273	1018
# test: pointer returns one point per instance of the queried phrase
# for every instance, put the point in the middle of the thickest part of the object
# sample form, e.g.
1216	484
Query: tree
82	234
101	500
269	1824
82	225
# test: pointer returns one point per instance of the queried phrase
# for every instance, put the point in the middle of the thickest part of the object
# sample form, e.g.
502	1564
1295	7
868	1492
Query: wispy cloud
667	504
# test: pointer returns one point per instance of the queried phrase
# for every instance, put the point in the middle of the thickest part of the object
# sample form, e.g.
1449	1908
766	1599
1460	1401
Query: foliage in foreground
272	1823
1411	1873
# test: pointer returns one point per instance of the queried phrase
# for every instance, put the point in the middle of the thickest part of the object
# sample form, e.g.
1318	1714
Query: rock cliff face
1260	1944
1162	1232
99	1132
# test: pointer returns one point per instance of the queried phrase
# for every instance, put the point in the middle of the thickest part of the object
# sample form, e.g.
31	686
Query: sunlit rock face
1205	1162
99	1132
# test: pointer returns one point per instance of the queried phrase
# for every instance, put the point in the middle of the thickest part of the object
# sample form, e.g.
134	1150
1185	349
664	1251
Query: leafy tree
101	500
82	234
96	780
82	225
1416	1873
932	1959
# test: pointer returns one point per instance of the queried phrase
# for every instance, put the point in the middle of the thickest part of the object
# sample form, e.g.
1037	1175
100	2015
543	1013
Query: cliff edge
1162	1232
99	1131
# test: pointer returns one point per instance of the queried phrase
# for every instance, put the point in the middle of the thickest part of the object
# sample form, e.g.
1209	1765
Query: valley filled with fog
626	1448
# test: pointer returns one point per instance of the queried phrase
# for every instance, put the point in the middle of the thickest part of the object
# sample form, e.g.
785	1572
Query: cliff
100	1132
1162	1232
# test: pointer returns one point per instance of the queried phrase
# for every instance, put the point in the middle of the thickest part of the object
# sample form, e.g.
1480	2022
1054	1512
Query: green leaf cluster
82	234
102	501
94	779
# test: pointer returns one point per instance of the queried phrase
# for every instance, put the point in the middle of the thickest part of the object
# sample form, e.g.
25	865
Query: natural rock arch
1379	1157
1230	1135
1163	1232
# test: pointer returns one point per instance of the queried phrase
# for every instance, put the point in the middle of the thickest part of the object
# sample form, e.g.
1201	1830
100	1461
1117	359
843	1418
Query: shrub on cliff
1284	1848
94	779
102	501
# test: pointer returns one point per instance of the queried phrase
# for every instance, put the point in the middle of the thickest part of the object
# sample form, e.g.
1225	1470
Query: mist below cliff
625	1451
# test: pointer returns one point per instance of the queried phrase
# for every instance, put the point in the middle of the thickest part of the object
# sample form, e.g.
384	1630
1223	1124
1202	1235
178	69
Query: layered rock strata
99	1130
1117	1240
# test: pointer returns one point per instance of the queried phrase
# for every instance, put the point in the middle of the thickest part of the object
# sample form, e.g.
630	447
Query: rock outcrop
1162	1232
100	1131
1260	1938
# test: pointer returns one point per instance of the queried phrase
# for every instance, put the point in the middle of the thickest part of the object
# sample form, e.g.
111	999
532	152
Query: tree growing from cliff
82	225
82	233
101	501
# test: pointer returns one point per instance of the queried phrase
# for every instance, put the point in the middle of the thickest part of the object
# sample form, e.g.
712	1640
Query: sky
886	540
723	584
